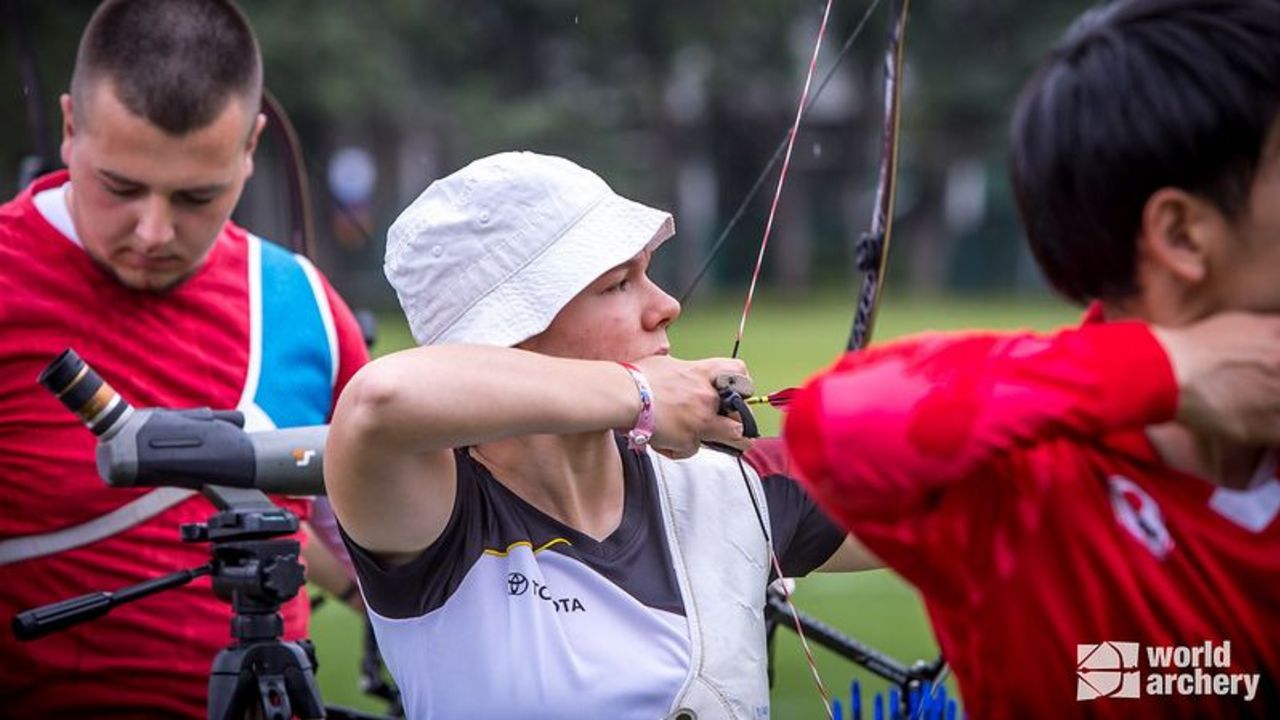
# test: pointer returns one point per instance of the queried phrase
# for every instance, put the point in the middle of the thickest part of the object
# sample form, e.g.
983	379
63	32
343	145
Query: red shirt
1008	477
186	347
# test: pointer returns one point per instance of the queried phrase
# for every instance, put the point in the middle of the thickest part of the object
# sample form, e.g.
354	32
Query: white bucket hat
490	254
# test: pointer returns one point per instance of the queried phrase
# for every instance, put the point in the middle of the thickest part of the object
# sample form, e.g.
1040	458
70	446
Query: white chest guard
721	560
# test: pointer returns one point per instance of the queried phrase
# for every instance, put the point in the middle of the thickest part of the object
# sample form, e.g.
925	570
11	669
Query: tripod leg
227	685
273	697
300	681
272	680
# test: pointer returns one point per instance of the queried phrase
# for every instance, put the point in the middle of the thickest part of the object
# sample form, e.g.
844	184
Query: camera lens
85	393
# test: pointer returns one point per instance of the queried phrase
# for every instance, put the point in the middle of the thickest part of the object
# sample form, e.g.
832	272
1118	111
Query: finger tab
740	384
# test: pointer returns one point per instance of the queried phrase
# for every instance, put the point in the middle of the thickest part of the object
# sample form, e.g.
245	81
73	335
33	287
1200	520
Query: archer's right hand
687	404
1228	372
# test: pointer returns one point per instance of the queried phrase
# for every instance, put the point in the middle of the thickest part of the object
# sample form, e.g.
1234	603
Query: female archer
535	523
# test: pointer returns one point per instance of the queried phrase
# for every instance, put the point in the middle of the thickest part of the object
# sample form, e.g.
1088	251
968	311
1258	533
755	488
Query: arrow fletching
779	399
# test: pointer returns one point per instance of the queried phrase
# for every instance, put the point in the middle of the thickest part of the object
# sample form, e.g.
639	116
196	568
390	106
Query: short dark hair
1140	95
175	63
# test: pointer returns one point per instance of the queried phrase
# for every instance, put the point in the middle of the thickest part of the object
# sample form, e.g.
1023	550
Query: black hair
175	63
1140	95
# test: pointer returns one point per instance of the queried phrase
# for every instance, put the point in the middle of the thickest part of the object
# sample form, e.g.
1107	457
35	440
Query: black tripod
256	572
253	568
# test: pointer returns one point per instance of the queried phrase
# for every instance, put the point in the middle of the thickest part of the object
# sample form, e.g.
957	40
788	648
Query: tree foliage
633	88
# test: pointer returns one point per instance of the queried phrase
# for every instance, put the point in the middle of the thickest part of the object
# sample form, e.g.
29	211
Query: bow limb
873	246
872	251
302	226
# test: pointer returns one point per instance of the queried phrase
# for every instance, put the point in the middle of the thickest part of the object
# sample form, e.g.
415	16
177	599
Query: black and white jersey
511	611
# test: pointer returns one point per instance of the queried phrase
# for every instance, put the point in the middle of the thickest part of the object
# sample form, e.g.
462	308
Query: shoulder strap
143	508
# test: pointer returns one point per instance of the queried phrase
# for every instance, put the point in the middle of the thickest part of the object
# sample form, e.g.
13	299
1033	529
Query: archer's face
147	205
1249	271
621	316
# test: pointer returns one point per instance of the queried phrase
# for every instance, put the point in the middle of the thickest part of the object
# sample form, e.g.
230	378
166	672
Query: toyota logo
517	584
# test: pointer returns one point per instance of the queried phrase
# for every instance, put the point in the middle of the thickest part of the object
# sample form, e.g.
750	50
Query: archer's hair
1140	95
175	63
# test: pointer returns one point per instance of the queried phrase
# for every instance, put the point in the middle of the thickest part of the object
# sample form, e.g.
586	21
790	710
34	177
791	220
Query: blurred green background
677	103
785	341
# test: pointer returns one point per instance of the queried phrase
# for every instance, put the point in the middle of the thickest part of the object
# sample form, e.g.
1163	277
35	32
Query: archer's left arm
851	556
328	564
805	539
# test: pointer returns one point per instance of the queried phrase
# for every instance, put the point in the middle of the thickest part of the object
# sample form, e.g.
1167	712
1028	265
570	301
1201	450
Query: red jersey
1067	570
186	347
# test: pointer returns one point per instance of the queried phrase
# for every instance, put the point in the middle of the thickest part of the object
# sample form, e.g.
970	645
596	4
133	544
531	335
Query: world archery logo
1111	670
1108	669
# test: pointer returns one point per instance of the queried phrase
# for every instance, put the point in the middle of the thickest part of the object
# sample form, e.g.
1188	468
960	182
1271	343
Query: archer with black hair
1093	516
1137	97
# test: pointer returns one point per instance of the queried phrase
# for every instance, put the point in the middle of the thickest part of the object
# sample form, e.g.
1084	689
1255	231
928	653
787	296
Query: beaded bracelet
640	435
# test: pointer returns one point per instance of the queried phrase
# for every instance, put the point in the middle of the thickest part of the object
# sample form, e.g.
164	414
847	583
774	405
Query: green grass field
786	341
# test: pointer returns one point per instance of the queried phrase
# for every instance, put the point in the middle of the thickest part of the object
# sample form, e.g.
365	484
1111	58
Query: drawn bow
872	251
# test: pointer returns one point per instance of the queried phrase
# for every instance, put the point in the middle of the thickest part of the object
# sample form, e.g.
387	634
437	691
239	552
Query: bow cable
737	343
782	178
750	195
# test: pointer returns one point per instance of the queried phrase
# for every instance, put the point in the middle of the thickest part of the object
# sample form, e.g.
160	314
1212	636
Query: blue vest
293	346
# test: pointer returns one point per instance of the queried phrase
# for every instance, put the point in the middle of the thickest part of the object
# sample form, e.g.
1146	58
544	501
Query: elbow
363	412
371	393
386	389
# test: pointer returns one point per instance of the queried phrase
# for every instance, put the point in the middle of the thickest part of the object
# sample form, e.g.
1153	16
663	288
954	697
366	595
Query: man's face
147	205
621	316
1249	272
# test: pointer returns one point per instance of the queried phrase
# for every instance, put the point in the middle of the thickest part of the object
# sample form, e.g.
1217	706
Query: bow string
872	249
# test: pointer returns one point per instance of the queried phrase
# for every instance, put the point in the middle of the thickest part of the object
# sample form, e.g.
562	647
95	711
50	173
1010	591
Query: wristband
640	435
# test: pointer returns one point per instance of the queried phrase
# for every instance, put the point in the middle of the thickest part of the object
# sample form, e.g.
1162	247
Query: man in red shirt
1091	515
129	258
